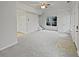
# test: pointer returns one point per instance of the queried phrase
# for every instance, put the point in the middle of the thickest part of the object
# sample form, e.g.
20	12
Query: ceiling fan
43	4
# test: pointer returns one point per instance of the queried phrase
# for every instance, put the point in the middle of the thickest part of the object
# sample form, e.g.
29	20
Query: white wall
7	24
63	19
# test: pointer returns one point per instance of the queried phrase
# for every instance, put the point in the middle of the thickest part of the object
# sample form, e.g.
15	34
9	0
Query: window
51	21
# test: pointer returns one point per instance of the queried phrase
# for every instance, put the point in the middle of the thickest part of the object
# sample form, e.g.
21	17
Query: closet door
26	22
22	25
19	24
32	22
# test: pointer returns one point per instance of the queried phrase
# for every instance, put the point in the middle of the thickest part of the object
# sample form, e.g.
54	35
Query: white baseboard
8	46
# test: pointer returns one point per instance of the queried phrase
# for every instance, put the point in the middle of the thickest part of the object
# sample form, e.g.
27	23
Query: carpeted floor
42	44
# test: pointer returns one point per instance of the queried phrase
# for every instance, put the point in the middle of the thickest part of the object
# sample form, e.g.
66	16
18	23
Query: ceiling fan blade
50	4
35	4
41	3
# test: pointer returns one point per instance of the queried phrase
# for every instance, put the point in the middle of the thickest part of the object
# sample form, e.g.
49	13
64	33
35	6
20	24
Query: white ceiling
54	4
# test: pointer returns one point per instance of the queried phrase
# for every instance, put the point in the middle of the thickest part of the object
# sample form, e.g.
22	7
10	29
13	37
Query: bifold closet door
22	24
26	22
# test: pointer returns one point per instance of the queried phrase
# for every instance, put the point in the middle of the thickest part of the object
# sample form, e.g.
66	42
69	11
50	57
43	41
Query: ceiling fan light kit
43	5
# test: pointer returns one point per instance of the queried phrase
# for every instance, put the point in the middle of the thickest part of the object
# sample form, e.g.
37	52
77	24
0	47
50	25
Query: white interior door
32	22
76	21
75	24
21	24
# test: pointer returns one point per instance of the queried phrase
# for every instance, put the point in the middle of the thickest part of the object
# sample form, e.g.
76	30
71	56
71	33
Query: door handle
76	31
77	27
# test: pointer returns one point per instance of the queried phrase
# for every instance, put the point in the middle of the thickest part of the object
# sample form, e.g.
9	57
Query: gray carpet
42	44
